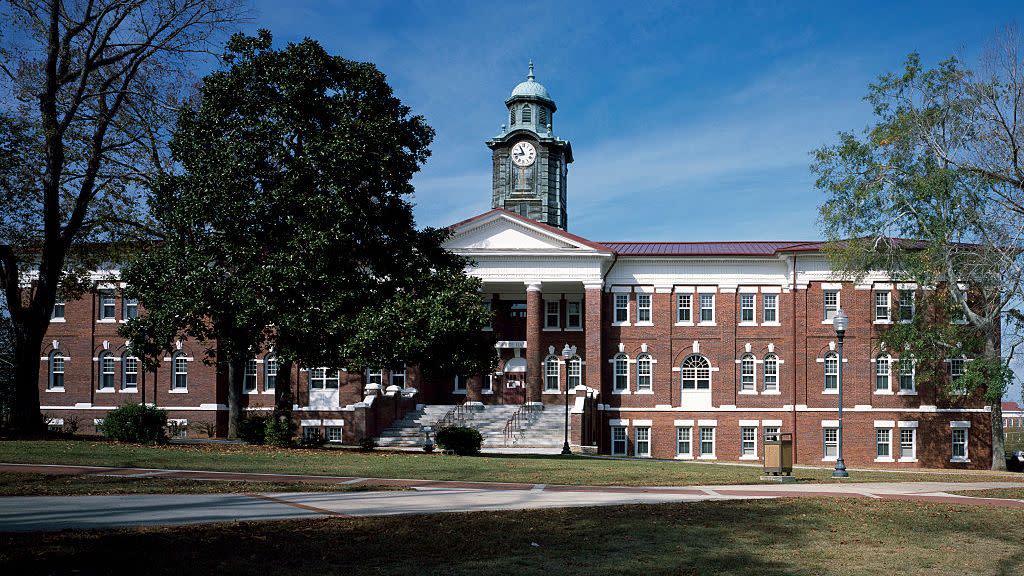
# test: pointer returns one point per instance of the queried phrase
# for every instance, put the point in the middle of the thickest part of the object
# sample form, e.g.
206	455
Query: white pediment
501	232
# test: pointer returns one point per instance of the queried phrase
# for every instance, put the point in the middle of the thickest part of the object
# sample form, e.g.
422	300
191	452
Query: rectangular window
618	441
830	441
881	306
771	433
488	383
770	303
831	299
334	433
643	372
106	371
956	368
56	371
58	309
959	443
746	308
310	432
882	374
574	373
324	379
908	444
643	307
642	447
707	307
517	310
552	310
180	372
684	307
748	439
883	443
684	445
270	374
574	315
131	373
907	376
831	371
906	305
249	379
107	305
398	376
459	384
490	314
621	372
707	442
374	376
131	308
621	307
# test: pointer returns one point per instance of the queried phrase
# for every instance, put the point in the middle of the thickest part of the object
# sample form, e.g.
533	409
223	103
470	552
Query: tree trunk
26	420
998	440
283	397
236	371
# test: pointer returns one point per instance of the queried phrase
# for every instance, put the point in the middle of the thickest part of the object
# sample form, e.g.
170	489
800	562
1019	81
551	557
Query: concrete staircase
542	430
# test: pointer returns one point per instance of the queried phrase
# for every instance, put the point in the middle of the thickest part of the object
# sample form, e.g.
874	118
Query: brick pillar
593	356
534	321
473	395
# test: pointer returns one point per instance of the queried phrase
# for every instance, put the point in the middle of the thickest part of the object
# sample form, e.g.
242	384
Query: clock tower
530	163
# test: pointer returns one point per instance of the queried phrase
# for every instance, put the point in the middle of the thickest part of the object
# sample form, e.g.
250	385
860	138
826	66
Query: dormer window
527	114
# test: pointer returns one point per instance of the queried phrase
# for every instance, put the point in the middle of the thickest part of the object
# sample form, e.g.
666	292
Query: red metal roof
751	248
1011	407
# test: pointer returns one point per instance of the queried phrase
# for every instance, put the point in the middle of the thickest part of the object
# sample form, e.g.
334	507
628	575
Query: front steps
543	430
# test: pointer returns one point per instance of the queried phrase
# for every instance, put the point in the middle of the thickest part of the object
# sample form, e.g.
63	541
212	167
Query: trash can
778	453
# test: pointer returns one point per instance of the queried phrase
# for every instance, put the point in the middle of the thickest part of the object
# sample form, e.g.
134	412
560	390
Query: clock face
523	154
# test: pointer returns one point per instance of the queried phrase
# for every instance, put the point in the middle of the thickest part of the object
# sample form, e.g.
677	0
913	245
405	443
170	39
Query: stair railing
457	416
521	418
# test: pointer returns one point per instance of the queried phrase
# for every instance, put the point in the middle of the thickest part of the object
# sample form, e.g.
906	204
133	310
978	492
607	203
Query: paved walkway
32	513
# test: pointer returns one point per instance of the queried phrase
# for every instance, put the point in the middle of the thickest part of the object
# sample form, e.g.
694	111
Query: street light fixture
567	353
840	321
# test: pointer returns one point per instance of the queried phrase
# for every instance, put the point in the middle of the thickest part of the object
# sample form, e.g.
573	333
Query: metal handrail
514	426
457	415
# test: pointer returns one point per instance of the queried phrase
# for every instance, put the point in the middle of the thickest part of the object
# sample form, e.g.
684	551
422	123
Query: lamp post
840	321
567	353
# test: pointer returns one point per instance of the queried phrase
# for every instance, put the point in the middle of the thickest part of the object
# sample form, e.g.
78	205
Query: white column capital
533	286
593	284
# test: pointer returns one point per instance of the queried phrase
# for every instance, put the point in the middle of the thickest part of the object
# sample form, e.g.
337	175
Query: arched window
527	114
249	378
771	372
129	372
56	370
882	374
621	362
574	372
106	370
542	115
179	372
269	372
831	371
696	373
551	369
643	371
747	373
512	116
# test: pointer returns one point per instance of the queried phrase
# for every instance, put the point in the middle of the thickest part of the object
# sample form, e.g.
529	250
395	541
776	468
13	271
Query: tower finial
530	75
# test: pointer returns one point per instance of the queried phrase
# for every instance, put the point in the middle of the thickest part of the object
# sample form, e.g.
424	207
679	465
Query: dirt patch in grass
534	469
806	536
27	484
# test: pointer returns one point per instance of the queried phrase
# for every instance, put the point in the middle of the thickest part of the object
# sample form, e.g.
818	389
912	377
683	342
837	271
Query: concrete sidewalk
45	513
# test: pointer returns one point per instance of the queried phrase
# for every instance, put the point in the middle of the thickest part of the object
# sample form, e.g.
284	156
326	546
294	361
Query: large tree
941	166
290	225
92	83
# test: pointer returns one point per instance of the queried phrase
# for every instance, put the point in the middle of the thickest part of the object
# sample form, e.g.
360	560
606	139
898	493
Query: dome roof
531	88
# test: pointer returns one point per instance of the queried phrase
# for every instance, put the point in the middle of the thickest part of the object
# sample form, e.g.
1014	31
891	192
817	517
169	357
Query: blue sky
689	121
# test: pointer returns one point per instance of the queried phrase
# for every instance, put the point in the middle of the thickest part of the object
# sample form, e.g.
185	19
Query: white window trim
888	428
688	424
636	442
837	288
616	308
754	456
568	325
875	390
714	441
623	427
558	315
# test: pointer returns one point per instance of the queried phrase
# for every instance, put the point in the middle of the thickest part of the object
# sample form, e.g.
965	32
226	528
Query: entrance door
514	391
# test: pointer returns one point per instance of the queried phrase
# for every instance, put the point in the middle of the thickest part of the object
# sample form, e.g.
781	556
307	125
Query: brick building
687	350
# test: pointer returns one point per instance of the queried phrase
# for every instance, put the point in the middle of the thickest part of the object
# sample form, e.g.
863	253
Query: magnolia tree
941	166
289	227
93	86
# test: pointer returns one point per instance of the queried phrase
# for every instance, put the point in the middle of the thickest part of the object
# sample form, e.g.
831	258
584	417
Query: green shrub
136	423
462	440
279	433
253	429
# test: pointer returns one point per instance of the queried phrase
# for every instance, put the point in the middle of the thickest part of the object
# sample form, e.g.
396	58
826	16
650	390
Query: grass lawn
1014	493
27	484
805	536
497	468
